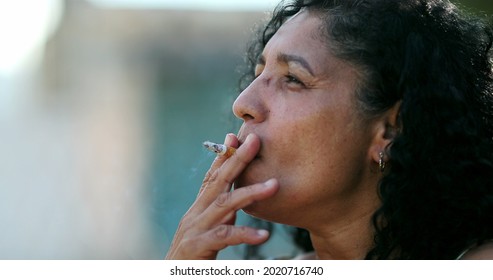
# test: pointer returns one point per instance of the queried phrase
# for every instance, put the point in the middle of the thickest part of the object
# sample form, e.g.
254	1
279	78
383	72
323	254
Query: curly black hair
433	59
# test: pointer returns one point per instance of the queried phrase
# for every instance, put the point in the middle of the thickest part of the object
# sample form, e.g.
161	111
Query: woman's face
313	140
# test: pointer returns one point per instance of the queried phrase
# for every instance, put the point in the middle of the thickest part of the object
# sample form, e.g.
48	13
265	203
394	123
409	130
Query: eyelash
292	79
289	79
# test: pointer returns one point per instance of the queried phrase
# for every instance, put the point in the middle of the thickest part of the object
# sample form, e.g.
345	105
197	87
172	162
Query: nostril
247	117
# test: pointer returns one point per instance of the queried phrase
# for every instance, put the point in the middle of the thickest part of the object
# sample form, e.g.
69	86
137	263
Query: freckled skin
313	139
301	128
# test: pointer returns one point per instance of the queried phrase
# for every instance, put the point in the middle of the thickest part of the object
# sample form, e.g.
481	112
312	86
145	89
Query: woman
369	123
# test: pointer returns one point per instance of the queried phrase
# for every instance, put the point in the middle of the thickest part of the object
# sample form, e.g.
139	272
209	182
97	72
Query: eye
293	80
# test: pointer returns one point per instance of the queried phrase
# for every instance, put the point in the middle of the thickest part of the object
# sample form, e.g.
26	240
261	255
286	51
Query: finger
207	245
229	219
222	178
230	140
227	235
226	204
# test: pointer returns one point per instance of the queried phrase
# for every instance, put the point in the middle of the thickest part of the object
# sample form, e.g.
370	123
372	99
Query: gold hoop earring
381	162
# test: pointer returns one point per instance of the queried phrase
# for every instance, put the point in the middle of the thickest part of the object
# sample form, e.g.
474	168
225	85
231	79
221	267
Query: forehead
305	35
302	35
303	23
299	30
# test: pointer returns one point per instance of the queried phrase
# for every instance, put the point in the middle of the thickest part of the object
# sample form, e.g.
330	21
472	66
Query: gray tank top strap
472	247
464	252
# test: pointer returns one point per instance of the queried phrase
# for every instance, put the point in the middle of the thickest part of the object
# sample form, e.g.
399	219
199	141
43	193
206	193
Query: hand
209	225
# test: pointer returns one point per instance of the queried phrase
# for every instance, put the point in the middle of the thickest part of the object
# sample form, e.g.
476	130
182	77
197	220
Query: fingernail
249	138
270	183
262	233
228	139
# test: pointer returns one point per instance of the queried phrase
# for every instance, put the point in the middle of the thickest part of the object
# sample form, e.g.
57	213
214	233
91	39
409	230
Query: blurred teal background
104	105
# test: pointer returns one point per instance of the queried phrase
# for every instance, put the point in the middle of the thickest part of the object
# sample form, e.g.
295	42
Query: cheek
302	147
306	136
316	147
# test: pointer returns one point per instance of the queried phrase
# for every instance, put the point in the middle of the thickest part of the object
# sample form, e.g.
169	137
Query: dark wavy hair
437	193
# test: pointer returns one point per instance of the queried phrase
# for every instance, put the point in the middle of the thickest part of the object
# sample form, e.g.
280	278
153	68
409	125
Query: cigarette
219	149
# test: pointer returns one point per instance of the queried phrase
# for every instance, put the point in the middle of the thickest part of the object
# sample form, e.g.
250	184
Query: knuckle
187	245
222	179
223	200
207	176
243	231
223	232
210	176
185	225
214	175
187	222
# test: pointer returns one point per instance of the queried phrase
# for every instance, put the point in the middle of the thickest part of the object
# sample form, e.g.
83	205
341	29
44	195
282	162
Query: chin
265	210
262	213
249	177
276	210
255	210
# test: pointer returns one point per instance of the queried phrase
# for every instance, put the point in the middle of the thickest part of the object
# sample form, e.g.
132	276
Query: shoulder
481	252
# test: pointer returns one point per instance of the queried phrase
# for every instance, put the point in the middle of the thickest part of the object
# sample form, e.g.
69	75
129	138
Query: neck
345	231
348	241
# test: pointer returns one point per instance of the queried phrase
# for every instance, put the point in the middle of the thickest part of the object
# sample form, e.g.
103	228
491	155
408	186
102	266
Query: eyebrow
286	58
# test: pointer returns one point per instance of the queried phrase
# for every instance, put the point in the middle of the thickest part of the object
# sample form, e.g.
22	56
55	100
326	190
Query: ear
387	127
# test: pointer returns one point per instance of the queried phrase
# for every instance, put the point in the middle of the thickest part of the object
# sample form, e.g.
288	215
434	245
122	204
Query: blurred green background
103	109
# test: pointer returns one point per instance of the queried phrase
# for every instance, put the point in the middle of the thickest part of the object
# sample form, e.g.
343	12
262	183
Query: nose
250	105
